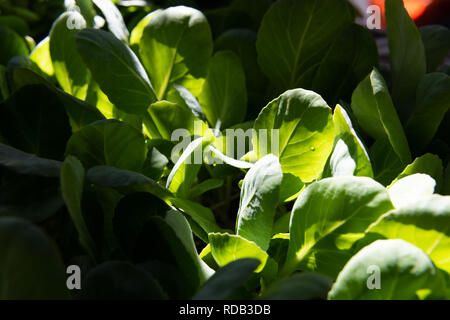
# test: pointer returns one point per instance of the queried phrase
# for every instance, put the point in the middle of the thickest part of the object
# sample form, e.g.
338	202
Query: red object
415	8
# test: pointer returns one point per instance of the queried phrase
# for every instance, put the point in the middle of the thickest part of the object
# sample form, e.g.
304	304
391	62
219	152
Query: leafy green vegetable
175	48
402	268
298	128
30	264
406	50
373	107
224	97
260	194
124	79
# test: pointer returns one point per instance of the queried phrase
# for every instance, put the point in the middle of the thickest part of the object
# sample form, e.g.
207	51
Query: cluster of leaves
89	175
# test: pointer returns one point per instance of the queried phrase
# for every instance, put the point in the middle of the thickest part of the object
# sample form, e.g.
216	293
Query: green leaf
349	59
294	36
175	47
118	280
424	223
227	279
114	19
203	216
375	112
34	120
432	103
410	189
205	186
227	248
297	126
99	99
349	156
117	70
30	265
169	117
403	270
109	142
72	184
41	57
385	162
224	96
12	45
436	41
15	23
260	195
301	286
138	30
327	216
407	55
186	168
25	163
291	186
80	113
176	246
127	181
429	164
70	71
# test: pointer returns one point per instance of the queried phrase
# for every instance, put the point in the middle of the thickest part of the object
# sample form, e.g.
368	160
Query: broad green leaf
429	164
175	246
72	184
226	279
436	42
70	71
291	186
385	162
348	60
118	280
125	180
155	164
41	57
302	286
410	189
424	223
26	163
375	112
227	248
99	99
432	103
243	43
186	168
327	217
205	186
260	195
138	30
298	128
407	55
175	47
294	37
402	268
12	45
15	23
169	117
117	70
114	19
349	155
79	112
34	120
30	265
224	96
109	142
